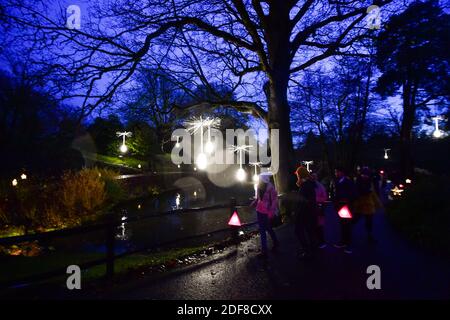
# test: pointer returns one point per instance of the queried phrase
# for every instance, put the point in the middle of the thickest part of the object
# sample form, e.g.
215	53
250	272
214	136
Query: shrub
82	192
64	202
423	212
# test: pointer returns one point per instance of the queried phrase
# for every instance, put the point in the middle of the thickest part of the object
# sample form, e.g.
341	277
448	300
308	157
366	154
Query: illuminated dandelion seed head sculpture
177	145
197	124
308	163
437	133
255	175
240	174
123	148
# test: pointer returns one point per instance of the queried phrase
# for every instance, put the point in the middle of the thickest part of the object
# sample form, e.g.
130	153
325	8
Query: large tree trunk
279	112
277	36
409	112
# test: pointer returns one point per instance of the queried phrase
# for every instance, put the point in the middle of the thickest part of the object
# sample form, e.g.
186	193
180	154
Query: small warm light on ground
23	176
139	206
14	182
397	191
408	181
139	166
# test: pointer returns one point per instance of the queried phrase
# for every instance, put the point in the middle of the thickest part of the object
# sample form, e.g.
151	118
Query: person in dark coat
344	196
366	202
306	213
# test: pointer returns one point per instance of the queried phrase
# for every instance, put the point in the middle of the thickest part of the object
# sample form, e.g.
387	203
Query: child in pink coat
266	207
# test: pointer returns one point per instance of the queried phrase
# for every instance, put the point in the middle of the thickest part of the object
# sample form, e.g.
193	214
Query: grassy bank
18	267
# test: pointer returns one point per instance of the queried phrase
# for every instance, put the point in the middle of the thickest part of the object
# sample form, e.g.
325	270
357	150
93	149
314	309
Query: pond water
187	192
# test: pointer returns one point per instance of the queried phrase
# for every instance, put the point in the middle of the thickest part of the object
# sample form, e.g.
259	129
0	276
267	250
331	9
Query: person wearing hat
266	206
306	213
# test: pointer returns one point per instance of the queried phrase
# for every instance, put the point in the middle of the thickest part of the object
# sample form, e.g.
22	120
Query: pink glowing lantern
234	220
345	213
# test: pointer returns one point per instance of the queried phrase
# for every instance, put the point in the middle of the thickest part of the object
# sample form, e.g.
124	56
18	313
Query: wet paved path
406	271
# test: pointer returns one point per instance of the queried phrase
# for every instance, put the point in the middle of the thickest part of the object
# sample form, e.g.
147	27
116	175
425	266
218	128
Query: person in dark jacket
366	202
344	196
306	213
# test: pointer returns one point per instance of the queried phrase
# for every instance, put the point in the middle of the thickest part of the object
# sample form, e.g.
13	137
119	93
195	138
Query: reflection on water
123	233
159	229
177	201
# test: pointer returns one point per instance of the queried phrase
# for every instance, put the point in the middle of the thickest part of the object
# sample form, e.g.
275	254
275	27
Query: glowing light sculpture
196	124
437	133
211	123
256	177
308	163
123	148
177	145
386	153
240	173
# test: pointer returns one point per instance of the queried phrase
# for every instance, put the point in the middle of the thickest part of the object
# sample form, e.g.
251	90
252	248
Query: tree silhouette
252	46
412	53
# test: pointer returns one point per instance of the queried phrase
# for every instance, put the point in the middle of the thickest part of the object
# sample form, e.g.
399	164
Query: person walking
266	204
306	214
344	196
366	202
321	198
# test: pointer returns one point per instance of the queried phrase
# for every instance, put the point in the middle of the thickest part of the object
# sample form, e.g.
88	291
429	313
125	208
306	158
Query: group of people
358	197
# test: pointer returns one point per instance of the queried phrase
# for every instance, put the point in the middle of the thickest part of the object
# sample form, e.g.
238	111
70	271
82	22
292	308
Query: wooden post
110	244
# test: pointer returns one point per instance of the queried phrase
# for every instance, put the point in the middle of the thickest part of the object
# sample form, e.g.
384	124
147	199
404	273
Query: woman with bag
266	204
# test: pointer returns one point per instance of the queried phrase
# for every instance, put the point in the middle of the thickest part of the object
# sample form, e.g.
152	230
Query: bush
65	202
82	192
423	212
